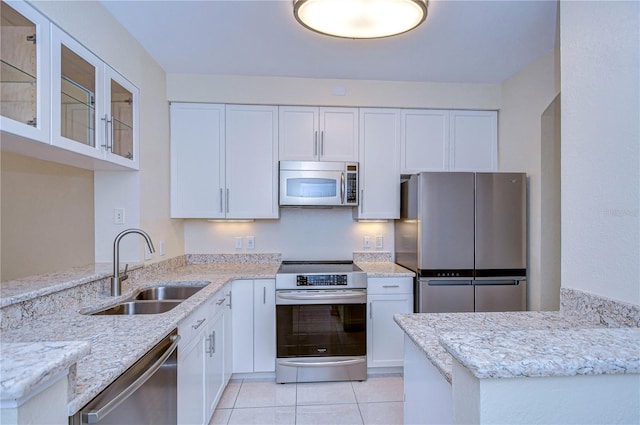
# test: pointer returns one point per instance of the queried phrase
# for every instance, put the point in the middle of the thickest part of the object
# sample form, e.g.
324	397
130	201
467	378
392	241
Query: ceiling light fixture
360	18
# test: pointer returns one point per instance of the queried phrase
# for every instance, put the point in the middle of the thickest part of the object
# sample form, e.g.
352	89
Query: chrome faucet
116	280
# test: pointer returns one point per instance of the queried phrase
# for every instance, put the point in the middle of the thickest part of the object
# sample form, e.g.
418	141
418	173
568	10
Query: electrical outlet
379	242
251	242
366	242
118	216
161	248
238	242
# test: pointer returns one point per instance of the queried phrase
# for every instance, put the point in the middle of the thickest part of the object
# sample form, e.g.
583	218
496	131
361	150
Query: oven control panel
321	280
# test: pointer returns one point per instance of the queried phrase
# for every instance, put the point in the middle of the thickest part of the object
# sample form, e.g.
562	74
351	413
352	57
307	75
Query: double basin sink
158	299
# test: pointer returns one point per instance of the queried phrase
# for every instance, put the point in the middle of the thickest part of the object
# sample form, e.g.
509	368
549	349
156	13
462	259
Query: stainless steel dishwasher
146	393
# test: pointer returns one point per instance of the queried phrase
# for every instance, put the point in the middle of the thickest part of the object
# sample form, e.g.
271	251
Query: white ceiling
477	41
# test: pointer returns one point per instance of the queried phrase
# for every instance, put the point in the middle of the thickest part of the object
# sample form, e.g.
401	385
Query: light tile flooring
378	400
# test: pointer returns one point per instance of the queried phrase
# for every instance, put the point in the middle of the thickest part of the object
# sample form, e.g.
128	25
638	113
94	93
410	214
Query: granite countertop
23	370
426	329
116	342
536	353
384	269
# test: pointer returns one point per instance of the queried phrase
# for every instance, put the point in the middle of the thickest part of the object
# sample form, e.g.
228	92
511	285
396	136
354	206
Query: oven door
321	335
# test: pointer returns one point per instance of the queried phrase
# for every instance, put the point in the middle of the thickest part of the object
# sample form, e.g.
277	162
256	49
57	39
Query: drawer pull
198	323
390	286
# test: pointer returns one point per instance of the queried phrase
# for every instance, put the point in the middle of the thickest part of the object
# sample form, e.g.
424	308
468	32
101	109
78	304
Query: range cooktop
307	267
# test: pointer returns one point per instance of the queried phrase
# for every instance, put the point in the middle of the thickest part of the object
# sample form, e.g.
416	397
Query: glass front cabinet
25	71
55	91
94	107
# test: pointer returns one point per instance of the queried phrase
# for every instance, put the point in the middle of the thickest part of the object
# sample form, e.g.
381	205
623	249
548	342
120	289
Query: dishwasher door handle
96	416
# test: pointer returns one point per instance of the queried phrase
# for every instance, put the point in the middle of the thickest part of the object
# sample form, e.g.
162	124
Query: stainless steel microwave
318	184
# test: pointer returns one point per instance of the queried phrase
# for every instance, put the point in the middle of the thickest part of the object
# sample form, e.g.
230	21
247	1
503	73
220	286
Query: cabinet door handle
221	200
390	286
198	323
219	302
370	310
322	143
227	200
315	143
361	200
213	343
230	302
107	121
264	295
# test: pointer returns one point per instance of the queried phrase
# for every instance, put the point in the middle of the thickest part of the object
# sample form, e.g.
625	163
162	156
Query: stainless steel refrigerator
465	236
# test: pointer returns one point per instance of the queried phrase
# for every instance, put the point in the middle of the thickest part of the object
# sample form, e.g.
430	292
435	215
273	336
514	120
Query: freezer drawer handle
97	415
513	282
449	283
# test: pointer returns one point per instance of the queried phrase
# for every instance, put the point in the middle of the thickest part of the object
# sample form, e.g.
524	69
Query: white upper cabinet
438	140
224	161
94	109
251	161
425	138
324	134
25	74
197	152
379	164
474	141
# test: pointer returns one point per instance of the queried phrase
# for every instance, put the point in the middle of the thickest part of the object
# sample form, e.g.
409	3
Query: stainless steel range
321	319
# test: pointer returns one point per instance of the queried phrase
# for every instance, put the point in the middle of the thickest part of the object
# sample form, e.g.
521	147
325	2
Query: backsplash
605	311
371	256
233	258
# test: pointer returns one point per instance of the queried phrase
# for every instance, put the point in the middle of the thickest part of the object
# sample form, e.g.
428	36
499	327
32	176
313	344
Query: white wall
96	28
300	234
600	44
525	96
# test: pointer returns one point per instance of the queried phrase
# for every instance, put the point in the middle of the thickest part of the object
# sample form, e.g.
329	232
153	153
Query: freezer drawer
445	296
501	295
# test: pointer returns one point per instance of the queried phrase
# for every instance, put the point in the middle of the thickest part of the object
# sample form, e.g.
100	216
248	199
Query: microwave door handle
342	188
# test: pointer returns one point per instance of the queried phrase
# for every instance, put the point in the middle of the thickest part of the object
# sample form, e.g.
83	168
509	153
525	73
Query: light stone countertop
425	329
22	368
384	269
117	342
538	353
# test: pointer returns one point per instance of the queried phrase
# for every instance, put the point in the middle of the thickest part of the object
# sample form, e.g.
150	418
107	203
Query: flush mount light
360	18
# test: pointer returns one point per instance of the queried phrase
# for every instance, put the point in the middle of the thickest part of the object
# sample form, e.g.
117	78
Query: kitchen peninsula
525	367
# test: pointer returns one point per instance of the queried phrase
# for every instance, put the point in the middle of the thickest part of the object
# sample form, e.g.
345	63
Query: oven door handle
317	296
345	362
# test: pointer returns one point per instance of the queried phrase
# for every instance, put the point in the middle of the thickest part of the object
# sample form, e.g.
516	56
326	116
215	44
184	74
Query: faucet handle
124	275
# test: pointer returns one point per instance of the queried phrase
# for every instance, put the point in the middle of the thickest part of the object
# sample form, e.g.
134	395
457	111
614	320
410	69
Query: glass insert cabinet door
77	90
122	103
24	71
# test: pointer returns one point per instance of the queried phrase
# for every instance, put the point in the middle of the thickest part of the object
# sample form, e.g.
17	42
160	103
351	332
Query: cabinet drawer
389	285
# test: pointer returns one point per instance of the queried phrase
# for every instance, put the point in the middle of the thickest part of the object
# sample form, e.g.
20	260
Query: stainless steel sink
138	307
168	293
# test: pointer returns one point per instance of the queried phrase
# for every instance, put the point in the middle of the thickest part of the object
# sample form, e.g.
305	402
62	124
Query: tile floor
378	400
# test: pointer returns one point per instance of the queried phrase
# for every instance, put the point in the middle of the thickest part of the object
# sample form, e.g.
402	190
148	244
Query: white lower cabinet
214	382
254	325
385	340
201	360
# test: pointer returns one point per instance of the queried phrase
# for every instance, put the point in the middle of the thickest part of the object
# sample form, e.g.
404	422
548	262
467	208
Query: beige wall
525	96
600	148
47	216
